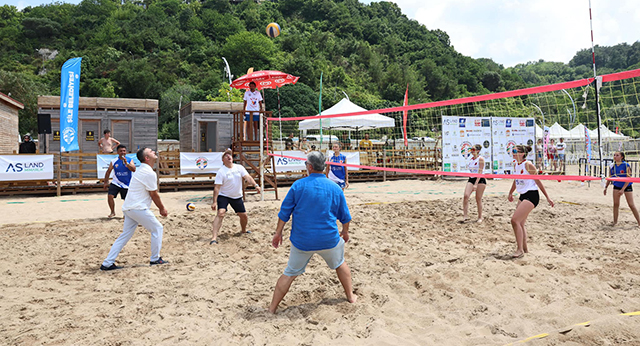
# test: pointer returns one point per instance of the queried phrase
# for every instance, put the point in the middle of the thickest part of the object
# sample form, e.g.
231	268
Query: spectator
288	142
27	146
552	151
346	142
121	179
315	204
107	143
560	149
366	142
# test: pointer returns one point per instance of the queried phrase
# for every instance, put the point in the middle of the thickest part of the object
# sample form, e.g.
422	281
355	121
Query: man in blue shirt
315	203
122	169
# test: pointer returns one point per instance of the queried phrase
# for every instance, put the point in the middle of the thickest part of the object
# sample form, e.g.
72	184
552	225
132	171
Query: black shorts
482	181
115	189
236	203
628	189
532	196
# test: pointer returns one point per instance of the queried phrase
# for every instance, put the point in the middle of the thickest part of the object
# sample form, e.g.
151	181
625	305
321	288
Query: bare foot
517	255
479	220
464	219
111	215
613	224
353	298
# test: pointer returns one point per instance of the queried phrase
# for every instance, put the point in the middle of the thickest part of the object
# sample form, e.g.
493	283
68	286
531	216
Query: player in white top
529	197
142	190
252	102
476	165
228	190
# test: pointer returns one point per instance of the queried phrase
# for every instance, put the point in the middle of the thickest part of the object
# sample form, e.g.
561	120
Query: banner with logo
26	167
103	162
285	164
587	141
459	134
507	133
353	158
69	97
200	163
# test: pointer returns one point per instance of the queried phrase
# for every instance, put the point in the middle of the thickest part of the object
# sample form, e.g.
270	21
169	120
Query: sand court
422	277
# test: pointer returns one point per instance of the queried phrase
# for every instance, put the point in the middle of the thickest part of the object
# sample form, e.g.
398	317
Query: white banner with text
26	167
103	162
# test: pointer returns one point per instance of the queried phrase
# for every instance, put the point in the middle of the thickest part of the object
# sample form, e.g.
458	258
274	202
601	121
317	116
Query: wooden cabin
9	133
207	126
133	122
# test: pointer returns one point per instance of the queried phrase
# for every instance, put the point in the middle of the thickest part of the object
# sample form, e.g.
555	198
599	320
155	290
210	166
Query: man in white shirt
228	191
252	102
560	148
142	190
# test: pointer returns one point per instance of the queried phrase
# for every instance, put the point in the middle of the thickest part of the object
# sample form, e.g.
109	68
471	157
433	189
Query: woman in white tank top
476	165
529	196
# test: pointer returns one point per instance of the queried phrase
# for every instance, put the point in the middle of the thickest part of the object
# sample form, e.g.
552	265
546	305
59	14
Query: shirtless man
106	143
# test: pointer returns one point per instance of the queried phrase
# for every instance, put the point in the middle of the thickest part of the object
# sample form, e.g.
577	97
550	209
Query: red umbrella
265	80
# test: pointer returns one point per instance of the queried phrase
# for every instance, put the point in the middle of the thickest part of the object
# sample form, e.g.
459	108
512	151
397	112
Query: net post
384	164
598	84
260	138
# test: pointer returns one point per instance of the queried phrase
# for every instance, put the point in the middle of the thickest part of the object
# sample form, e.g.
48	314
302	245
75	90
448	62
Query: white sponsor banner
26	167
103	162
507	133
459	134
285	164
353	158
200	163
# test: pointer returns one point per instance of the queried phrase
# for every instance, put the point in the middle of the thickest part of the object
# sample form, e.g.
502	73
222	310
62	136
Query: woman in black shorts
476	164
621	169
529	196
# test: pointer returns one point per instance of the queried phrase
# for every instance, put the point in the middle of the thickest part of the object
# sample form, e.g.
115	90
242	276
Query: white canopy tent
556	131
608	134
348	123
577	133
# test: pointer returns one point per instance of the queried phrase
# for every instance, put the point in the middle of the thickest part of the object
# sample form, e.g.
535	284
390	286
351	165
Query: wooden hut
207	126
133	122
9	135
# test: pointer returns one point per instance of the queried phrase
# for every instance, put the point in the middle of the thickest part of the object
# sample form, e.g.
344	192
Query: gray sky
514	31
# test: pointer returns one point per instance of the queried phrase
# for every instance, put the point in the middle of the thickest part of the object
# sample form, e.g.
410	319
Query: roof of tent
557	131
578	132
348	123
608	134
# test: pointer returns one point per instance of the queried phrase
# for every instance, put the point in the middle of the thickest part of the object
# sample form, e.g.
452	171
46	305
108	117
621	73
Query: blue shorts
256	116
342	184
560	157
299	259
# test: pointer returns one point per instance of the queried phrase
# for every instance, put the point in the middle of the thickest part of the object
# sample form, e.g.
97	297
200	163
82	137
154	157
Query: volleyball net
435	138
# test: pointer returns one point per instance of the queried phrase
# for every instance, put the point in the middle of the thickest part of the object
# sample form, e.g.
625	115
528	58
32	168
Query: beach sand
422	277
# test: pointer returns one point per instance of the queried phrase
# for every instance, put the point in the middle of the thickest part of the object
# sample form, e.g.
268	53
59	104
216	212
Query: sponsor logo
510	146
265	83
485	144
486	123
464	149
462	122
25	167
530	142
201	162
522	123
446	133
69	135
529	122
508	122
508	133
281	80
461	133
478	122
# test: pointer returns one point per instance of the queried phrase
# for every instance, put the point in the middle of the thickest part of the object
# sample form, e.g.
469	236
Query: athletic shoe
111	267
159	261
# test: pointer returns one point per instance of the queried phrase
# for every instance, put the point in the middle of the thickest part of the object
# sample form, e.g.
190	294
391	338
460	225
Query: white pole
261	159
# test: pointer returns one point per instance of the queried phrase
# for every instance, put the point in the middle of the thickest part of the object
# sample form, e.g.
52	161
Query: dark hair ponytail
526	149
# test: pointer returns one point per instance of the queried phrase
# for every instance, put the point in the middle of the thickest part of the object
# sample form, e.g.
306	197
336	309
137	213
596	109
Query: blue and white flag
587	141
69	97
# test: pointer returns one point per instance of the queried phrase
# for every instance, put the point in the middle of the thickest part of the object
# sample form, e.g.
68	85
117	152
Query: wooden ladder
247	154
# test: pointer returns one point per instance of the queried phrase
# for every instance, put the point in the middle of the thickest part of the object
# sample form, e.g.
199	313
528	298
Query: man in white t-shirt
142	190
228	191
252	102
560	148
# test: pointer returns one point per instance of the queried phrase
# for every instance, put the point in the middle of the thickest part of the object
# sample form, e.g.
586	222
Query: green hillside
168	48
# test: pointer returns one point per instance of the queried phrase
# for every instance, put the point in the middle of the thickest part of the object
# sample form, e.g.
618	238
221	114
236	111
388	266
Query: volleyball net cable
374	140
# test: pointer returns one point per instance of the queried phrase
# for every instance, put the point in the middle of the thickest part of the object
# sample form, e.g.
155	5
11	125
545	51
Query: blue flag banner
69	97
587	141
